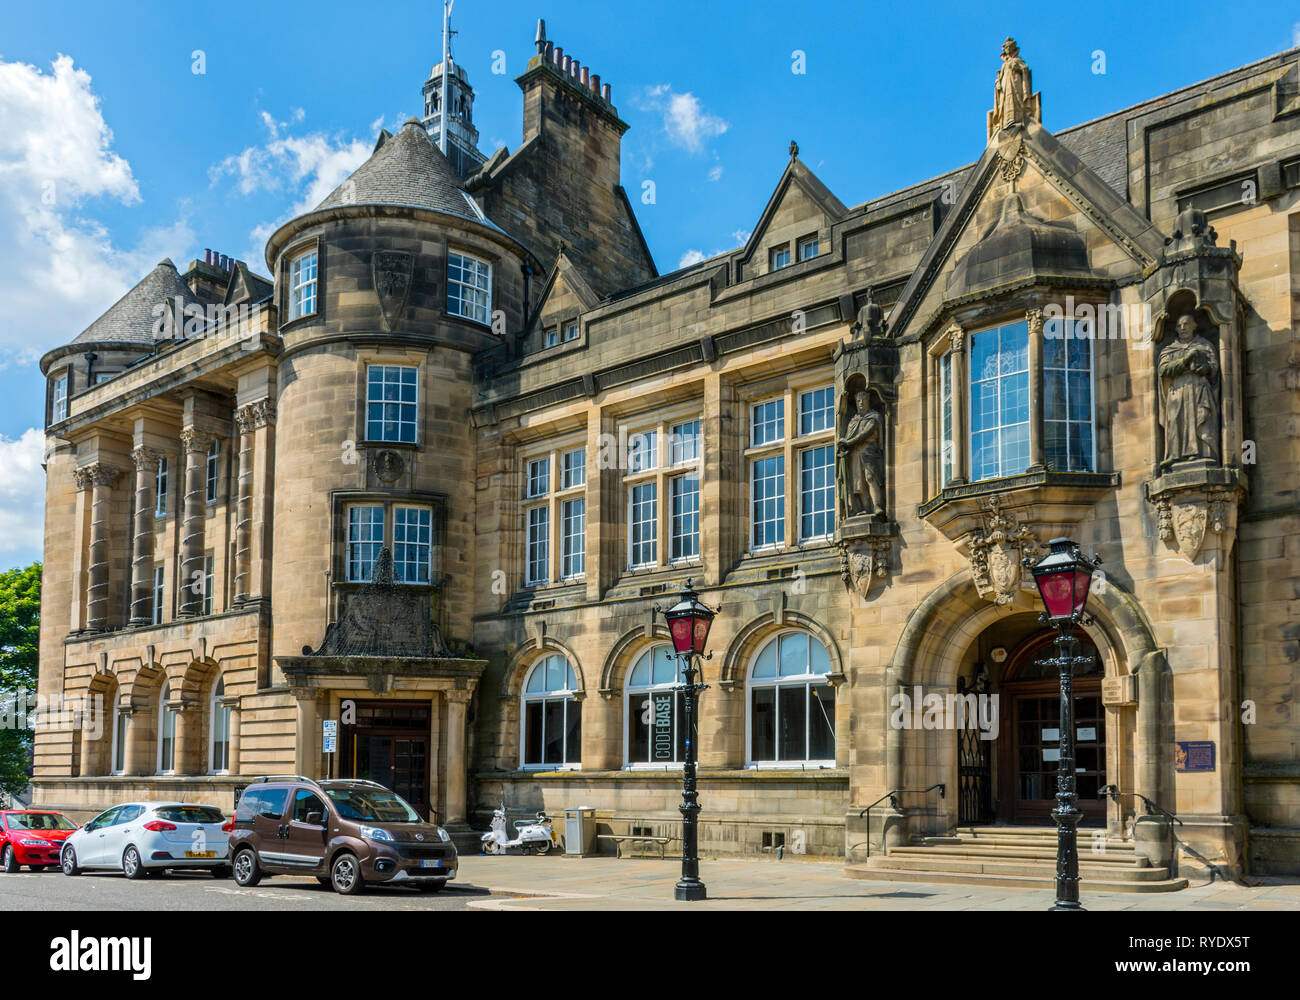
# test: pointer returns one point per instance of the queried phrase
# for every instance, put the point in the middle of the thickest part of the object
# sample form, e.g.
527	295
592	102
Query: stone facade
596	433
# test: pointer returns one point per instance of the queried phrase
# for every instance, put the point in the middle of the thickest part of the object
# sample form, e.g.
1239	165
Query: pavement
559	883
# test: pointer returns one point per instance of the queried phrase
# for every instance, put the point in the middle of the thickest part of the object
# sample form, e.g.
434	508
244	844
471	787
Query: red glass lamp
1063	577
689	622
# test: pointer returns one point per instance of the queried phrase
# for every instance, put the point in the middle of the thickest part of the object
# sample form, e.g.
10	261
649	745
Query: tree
20	617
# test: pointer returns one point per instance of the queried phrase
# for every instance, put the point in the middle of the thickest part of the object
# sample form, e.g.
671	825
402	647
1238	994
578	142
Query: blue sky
115	153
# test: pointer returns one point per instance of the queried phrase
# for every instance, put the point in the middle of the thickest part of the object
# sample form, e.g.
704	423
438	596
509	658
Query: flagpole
446	71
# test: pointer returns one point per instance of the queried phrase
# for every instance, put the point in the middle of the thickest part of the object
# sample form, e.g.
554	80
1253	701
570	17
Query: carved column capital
1034	317
255	415
957	338
146	459
97	474
193	439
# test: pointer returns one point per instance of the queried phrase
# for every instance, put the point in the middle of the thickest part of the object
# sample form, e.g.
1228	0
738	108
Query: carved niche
865	369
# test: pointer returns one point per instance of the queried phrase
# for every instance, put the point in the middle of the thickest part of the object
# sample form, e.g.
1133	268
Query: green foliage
20	622
20	615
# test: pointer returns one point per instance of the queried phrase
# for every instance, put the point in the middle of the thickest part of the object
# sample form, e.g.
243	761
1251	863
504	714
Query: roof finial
794	150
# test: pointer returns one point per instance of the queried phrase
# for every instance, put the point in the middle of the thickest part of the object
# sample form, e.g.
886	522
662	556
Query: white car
141	838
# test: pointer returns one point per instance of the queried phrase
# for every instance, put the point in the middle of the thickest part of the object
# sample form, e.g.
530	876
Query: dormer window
809	247
779	257
570	332
550	338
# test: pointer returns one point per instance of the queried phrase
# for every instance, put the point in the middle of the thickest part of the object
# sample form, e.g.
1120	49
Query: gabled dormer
795	225
556	323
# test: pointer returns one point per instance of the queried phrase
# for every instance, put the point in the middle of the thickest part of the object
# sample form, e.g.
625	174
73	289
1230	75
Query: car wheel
437	886
132	867
221	871
247	871
345	875
10	863
69	862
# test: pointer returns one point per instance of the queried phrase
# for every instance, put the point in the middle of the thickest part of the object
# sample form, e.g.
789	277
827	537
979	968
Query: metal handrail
894	803
1114	794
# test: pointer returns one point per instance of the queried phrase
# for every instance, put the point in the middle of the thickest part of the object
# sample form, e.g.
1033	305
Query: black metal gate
974	778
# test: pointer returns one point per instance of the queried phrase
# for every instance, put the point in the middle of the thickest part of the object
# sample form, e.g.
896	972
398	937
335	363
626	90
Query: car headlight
374	833
35	843
444	835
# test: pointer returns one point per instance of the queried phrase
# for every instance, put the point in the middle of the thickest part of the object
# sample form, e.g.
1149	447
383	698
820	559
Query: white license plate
427	863
200	854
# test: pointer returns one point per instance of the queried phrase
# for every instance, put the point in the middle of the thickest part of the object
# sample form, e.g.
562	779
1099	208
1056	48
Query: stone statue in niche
860	459
1189	395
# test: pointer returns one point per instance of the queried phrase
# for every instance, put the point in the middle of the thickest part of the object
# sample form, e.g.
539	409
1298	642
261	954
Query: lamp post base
1068	907
689	891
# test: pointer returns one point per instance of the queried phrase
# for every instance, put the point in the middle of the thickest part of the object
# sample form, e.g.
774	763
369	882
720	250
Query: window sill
797	765
550	768
399	445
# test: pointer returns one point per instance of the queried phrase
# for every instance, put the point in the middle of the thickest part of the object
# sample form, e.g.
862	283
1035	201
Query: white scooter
531	836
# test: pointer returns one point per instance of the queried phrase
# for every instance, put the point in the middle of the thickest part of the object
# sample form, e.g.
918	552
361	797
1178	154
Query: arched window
166	732
791	705
552	734
656	734
219	752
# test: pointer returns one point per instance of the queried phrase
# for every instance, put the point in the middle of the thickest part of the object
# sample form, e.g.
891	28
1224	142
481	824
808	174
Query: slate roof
131	318
406	170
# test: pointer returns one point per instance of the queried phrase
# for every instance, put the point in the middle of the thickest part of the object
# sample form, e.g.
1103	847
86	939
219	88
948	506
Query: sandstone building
432	478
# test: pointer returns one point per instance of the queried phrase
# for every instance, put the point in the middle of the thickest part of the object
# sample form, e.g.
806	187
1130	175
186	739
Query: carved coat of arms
996	552
1188	521
392	274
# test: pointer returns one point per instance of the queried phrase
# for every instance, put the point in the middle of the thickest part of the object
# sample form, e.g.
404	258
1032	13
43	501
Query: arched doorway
1028	750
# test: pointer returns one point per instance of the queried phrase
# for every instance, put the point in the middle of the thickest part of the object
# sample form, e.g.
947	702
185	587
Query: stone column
137	759
307	732
260	420
187	754
960	444
232	702
146	478
99	479
1037	459
194	444
457	765
244	420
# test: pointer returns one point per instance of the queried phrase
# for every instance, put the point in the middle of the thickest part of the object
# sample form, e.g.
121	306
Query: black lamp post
688	623
1064	577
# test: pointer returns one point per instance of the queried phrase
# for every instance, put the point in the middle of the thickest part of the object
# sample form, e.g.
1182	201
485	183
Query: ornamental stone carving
255	415
193	439
392	271
860	458
146	459
1014	100
98	474
997	551
863	559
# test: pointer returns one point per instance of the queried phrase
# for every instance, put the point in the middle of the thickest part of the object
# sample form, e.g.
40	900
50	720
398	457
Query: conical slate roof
131	319
406	170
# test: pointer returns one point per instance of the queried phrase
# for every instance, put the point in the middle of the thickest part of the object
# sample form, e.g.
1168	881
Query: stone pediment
799	198
1030	213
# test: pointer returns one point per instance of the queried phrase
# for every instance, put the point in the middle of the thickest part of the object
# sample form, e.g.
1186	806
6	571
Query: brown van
347	833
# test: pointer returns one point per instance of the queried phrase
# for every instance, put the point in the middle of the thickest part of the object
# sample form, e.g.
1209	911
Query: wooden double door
389	743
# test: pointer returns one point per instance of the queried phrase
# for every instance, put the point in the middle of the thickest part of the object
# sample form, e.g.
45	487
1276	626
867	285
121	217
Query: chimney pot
207	256
595	84
568	66
550	52
607	94
586	77
559	57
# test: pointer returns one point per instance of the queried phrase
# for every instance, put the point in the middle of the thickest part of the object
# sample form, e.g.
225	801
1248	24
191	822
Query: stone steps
1014	857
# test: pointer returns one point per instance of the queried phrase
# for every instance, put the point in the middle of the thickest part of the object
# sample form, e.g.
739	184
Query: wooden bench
620	838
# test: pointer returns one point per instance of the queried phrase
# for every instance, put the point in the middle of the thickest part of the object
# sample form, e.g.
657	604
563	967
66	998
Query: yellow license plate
200	854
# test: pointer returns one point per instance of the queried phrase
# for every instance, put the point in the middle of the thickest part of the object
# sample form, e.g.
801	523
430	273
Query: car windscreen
373	805
190	814
39	821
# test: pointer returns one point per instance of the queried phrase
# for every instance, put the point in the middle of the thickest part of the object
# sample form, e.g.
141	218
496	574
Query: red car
32	838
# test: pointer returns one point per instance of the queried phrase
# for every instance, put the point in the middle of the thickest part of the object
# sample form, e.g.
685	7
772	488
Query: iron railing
896	806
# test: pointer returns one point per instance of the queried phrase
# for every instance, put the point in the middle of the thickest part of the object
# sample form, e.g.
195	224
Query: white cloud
59	268
741	236
686	122
716	173
307	166
22	498
691	257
